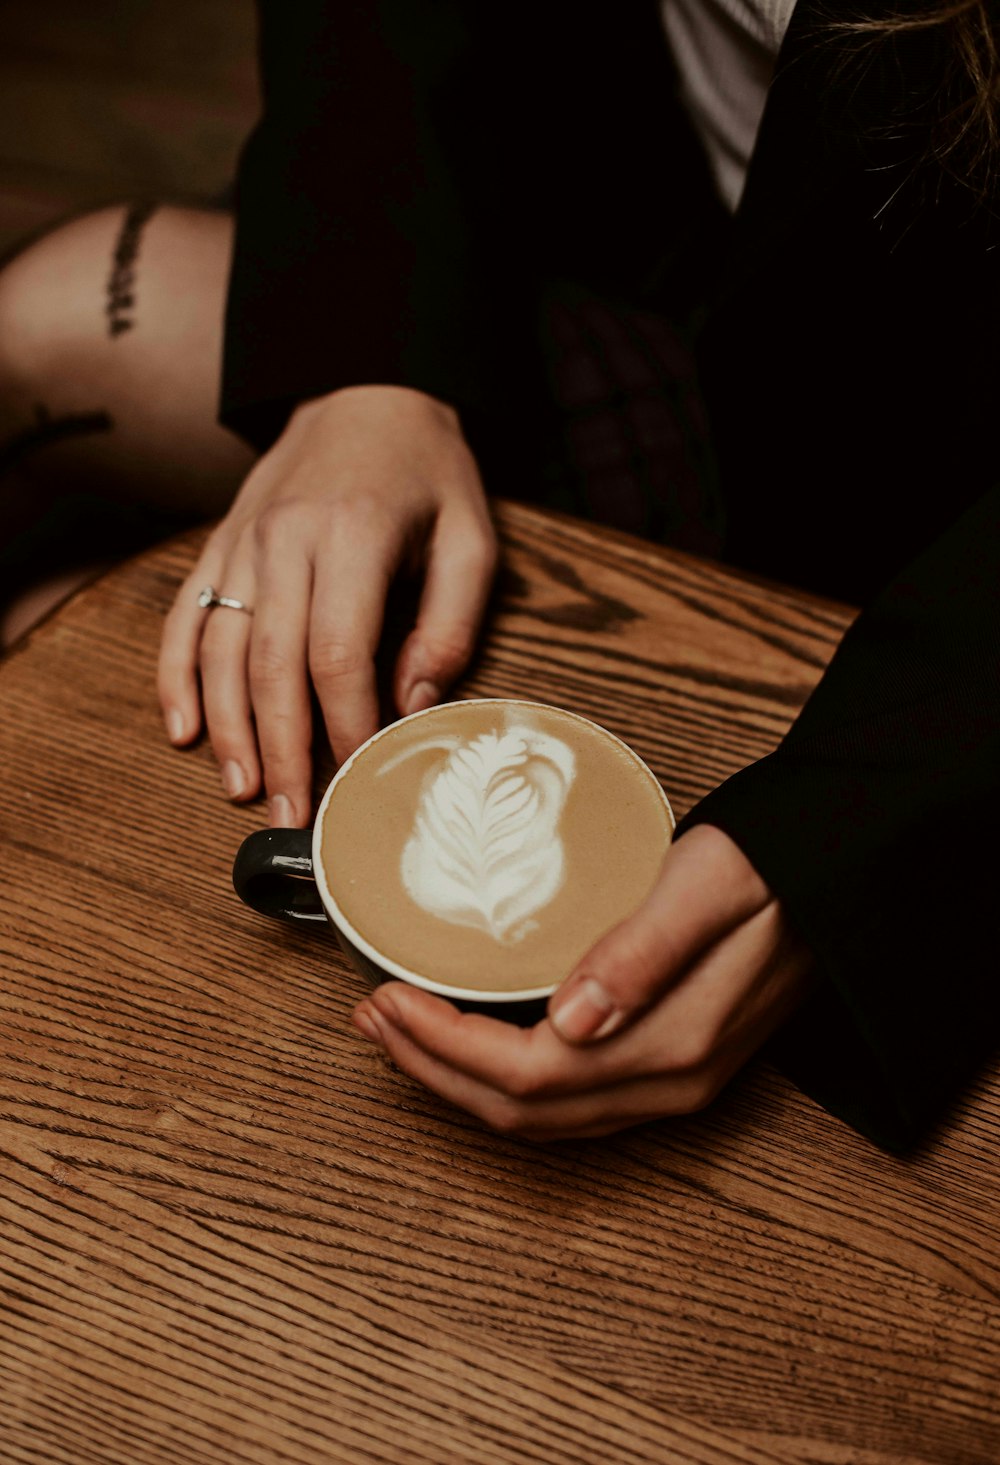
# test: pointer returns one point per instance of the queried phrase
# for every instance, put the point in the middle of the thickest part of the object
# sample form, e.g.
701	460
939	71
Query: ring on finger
210	599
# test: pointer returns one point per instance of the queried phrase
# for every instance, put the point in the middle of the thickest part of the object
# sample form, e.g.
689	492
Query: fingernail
364	1020
422	696
587	1012
234	780
175	725
386	1011
280	812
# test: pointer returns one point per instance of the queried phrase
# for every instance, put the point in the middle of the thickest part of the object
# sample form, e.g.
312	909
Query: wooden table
229	1232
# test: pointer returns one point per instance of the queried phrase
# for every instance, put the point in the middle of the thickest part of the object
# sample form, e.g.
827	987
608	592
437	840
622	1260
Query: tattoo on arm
48	430
120	305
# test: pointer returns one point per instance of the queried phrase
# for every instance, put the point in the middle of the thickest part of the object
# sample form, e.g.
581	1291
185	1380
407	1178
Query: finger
279	682
460	569
707	888
225	690
378	1024
177	668
481	1048
741	984
674	1060
353	571
581	1113
529	1064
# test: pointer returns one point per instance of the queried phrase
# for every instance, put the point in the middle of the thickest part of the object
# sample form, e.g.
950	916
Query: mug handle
273	873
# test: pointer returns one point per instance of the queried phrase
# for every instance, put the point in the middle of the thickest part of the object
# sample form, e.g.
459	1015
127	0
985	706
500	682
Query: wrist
379	396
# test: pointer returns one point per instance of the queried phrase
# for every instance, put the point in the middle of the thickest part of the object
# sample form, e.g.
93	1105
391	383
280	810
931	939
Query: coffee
487	845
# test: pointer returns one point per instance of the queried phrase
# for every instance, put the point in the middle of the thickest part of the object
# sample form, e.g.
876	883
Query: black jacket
422	171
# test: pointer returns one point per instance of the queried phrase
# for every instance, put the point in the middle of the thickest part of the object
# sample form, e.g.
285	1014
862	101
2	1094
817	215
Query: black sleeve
419	171
876	823
361	255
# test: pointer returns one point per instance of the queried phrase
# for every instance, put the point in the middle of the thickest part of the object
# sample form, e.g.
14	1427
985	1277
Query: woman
446	220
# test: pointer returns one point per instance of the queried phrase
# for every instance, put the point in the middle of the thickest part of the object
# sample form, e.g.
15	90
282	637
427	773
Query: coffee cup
477	850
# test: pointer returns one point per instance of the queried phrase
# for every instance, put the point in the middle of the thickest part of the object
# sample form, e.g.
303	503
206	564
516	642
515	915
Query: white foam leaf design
485	849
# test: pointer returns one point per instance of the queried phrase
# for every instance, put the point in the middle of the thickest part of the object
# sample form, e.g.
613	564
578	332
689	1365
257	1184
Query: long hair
958	110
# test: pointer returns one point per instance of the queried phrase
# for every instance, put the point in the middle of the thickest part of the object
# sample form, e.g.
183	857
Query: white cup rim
372	953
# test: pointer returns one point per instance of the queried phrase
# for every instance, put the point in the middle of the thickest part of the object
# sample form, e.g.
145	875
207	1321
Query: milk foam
485	849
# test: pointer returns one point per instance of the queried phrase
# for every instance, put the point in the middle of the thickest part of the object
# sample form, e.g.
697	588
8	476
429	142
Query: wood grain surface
230	1233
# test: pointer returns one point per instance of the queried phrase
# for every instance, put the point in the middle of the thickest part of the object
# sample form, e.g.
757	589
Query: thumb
707	888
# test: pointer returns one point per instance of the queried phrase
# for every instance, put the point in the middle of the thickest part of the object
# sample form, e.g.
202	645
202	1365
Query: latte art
485	849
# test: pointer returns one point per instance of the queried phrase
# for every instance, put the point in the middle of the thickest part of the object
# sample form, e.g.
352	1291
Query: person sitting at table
473	245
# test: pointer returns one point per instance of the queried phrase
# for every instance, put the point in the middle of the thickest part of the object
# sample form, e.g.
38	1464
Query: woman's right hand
362	483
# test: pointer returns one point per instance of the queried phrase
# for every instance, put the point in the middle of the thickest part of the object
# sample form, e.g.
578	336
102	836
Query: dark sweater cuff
907	1005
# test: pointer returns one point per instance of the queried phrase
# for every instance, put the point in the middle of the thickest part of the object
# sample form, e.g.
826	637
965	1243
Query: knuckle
333	660
285	756
284	730
227	740
448	649
361	515
277	522
691	1050
284	776
482	549
699	1092
649	953
507	1117
477	548
269	665
525	1083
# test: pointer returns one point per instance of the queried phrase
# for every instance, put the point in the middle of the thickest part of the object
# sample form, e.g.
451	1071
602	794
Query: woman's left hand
653	1021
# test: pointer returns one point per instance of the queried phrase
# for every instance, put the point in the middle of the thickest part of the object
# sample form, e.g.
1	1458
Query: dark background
109	100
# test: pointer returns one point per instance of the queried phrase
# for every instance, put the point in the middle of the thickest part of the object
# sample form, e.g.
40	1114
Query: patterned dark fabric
630	447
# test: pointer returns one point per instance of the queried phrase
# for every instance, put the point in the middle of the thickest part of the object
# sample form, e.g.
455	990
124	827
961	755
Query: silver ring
209	598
